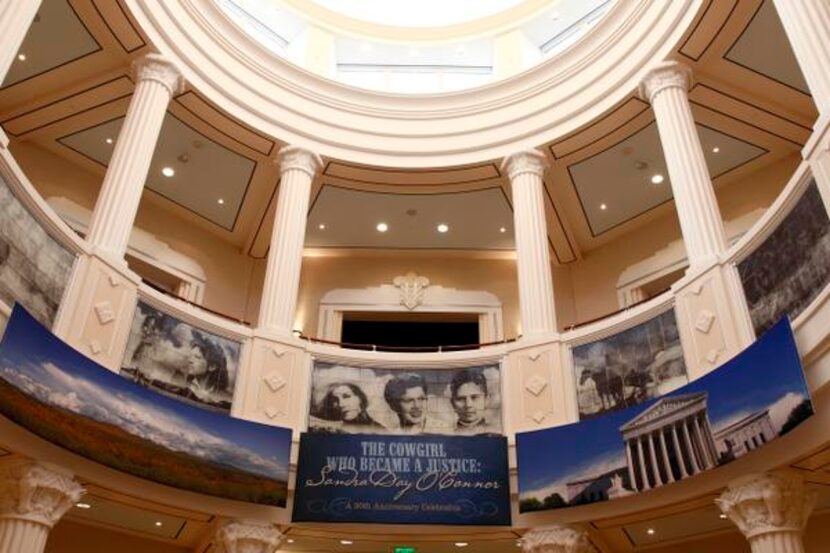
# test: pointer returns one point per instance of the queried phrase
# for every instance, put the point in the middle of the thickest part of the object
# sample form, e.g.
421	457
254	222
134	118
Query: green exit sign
403	549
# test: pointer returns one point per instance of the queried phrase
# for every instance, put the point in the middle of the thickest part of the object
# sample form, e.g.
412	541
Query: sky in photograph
767	374
35	361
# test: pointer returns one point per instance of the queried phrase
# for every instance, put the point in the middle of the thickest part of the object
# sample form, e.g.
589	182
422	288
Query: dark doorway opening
410	330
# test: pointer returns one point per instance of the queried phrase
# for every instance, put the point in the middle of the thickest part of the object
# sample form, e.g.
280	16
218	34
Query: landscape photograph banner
62	396
402	479
754	398
464	401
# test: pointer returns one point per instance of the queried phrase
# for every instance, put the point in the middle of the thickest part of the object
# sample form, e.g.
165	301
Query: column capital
770	502
557	539
525	161
668	74
36	492
155	67
240	536
295	157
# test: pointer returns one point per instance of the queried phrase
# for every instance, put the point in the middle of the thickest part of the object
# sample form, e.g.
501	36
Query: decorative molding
526	161
278	351
292	158
667	74
115	282
712	356
534	356
275	382
155	67
536	385
412	288
557	539
35	492
538	417
272	412
247	537
95	347
104	312
704	321
766	503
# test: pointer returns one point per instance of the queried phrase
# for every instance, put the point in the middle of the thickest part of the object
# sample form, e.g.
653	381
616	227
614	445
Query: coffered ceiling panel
56	37
630	177
350	217
759	48
207	178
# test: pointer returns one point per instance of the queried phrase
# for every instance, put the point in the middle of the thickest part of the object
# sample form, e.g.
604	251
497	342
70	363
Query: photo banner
755	397
59	394
402	479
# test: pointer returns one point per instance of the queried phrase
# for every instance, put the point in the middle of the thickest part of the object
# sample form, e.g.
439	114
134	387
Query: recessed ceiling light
168	171
108	140
603	207
442	228
346	542
290	540
158	523
657	179
715	149
722	515
220	201
461	544
83	505
21	57
321	226
650	531
382	227
502	230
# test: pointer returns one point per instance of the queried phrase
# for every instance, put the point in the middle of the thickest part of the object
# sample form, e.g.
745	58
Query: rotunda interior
543	248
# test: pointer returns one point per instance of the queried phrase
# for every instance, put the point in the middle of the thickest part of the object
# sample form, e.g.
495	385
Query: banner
402	479
368	400
754	398
68	399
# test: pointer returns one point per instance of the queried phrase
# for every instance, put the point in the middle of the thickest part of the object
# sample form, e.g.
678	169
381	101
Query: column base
784	541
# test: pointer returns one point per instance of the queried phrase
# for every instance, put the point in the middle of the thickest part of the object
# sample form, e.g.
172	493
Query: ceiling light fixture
461	544
290	540
650	531
21	57
108	140
83	505
603	207
321	226
657	179
502	230
382	227
723	516
158	523
715	149
442	228
346	542
168	171
220	201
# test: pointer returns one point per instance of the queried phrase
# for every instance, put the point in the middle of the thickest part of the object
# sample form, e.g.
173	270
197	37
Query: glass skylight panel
423	13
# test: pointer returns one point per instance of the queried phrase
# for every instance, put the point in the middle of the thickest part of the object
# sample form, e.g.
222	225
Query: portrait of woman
344	409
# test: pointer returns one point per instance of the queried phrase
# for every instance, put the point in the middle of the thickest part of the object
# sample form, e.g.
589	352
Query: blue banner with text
402	479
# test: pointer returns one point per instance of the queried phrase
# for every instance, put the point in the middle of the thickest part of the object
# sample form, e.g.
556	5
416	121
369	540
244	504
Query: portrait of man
469	399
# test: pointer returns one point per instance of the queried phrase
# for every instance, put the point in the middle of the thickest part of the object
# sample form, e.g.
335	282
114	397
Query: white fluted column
641	459
157	80
33	497
664	450
298	167
771	510
247	537
807	24
630	459
666	87
678	452
536	303
16	16
557	539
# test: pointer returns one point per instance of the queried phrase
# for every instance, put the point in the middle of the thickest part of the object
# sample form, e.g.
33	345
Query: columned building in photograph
438	203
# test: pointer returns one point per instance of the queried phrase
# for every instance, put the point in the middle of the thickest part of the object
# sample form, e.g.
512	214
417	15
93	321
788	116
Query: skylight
423	13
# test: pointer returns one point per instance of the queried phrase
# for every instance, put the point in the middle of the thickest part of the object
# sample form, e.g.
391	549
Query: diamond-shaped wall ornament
704	321
534	356
535	385
697	288
95	347
278	352
712	356
538	417
275	382
271	411
115	282
104	312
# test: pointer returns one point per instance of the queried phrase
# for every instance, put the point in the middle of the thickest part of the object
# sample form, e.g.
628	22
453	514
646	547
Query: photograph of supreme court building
727	414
